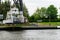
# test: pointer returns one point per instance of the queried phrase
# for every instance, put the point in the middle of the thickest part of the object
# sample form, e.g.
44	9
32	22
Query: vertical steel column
21	5
21	11
21	17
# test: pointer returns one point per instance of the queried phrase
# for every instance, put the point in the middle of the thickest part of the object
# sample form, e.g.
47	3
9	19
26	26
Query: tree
40	14
25	11
1	7
31	19
51	12
35	16
43	12
4	7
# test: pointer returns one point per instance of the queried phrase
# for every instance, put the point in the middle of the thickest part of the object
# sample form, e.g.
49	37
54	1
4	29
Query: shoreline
20	28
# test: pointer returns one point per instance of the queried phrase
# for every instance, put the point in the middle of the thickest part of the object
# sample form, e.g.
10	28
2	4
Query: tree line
45	14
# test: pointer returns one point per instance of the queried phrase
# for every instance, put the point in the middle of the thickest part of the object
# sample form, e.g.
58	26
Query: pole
21	5
49	21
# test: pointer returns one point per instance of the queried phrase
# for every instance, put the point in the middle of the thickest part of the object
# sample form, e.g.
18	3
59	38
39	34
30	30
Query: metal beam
21	5
20	2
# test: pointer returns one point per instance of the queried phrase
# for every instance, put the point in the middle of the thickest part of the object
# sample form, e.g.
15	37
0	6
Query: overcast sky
32	5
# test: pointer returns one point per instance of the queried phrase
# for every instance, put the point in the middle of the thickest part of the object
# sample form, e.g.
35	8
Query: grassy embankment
13	25
53	24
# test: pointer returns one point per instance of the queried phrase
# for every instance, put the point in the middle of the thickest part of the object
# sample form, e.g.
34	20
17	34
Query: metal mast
21	9
21	5
20	2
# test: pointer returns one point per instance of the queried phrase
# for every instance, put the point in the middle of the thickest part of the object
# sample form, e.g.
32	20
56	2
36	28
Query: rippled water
30	35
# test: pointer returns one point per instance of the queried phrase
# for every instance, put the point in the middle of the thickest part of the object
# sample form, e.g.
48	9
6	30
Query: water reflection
30	35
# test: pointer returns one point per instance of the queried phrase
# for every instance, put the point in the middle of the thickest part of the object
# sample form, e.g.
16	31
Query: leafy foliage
52	12
45	14
4	7
25	11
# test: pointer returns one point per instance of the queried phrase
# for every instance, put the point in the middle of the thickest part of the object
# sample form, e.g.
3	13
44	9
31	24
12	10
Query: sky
32	5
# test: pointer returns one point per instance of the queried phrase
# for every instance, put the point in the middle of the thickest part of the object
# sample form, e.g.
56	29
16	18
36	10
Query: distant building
14	16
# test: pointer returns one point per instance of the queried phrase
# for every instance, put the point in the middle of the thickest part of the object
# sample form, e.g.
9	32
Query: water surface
30	35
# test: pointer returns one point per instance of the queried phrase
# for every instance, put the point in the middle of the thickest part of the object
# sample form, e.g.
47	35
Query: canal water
30	35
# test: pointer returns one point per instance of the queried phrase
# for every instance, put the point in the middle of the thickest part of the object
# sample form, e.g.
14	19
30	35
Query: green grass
49	23
52	24
20	25
13	25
